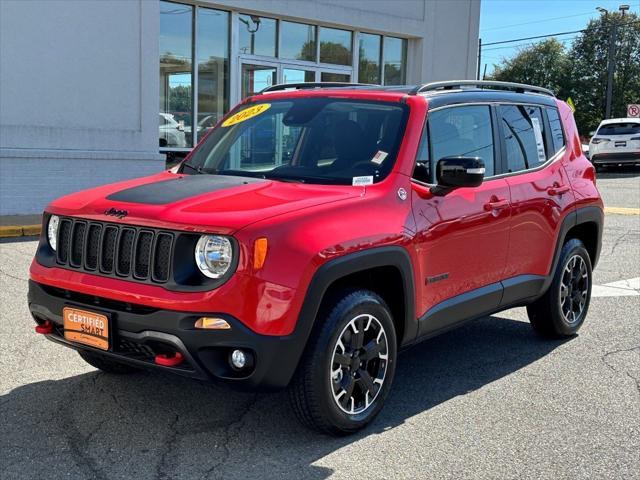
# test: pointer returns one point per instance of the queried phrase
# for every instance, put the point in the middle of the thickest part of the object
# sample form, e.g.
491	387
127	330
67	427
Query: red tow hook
46	328
167	360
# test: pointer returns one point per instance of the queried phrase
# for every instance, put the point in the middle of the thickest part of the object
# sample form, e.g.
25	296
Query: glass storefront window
256	78
176	82
257	35
369	63
294	75
395	60
335	46
213	67
195	76
334	77
297	41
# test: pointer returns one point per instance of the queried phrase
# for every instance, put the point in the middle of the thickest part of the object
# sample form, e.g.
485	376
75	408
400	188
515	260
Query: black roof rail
305	85
459	84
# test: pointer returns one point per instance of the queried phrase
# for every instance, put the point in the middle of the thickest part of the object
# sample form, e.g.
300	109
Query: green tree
581	72
589	55
545	64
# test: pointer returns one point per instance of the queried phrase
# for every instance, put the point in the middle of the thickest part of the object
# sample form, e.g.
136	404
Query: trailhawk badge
114	212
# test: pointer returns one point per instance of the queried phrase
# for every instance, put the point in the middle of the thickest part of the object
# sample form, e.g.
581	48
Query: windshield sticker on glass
246	114
379	157
362	181
539	142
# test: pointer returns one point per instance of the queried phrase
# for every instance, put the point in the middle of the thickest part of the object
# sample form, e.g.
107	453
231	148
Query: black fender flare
574	218
335	269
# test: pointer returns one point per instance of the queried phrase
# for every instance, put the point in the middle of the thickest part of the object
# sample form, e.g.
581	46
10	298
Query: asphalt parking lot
490	400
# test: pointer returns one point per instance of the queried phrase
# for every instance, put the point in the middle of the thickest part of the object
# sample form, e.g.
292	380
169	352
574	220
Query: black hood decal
169	191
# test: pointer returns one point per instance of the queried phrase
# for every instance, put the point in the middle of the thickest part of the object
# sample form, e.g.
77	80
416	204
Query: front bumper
139	333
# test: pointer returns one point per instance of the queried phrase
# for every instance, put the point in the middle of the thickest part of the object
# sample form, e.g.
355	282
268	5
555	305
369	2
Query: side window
555	125
524	141
461	132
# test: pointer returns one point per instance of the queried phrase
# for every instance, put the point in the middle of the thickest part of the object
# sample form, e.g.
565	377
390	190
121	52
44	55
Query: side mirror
456	172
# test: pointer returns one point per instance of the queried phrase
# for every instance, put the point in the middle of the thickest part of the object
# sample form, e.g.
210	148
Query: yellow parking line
19	230
622	210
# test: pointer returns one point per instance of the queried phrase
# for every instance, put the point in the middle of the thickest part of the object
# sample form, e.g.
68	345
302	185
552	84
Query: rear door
462	236
541	194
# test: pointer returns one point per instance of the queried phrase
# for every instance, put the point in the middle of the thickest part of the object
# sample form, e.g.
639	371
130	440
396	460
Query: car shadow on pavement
150	425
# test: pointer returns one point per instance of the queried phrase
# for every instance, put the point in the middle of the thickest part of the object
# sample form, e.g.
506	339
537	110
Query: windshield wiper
306	179
192	167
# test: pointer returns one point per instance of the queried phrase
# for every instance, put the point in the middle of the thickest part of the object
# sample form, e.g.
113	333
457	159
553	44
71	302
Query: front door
256	77
462	237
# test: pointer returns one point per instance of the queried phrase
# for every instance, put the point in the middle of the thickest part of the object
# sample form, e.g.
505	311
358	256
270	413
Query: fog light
212	323
238	359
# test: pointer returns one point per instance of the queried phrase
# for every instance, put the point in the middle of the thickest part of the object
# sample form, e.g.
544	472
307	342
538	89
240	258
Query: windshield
310	140
619	129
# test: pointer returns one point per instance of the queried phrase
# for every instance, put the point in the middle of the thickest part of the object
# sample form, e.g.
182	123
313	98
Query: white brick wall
27	185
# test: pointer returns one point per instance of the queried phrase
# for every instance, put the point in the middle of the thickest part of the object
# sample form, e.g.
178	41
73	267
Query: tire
105	364
561	311
319	377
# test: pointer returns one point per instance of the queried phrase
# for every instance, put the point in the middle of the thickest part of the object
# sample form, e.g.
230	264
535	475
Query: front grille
115	250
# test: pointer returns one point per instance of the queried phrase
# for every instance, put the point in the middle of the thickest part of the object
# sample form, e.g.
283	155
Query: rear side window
619	129
557	136
522	131
464	131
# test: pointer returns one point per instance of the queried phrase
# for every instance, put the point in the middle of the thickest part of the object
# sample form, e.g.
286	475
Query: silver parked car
171	132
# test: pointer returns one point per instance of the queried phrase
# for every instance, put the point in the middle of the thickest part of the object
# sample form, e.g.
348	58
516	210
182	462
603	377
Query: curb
11	231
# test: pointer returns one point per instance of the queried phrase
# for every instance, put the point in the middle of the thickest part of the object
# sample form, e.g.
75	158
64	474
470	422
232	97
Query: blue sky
511	19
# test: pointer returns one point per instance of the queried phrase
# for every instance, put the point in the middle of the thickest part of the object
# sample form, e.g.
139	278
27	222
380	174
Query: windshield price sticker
379	157
539	141
246	114
362	181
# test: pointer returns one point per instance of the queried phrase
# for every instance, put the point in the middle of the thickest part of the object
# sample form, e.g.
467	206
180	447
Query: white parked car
616	142
171	132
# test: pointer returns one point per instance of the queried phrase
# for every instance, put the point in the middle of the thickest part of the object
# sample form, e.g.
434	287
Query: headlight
214	255
52	231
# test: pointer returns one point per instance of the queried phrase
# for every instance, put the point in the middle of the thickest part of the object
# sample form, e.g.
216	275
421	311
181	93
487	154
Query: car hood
217	203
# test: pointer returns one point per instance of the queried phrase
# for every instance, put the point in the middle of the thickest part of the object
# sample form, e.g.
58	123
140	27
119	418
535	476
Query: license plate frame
621	143
97	331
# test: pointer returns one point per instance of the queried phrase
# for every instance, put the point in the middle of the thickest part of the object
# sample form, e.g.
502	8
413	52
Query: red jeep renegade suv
317	230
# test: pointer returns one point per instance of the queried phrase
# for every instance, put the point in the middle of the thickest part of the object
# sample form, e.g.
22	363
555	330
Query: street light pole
479	57
610	67
613	31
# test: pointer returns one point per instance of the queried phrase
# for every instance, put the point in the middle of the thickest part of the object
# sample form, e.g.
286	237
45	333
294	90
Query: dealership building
97	91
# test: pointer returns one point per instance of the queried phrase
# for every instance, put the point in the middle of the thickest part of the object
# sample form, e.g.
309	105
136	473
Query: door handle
496	204
558	189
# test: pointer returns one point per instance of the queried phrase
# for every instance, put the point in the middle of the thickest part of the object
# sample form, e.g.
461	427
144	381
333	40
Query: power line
532	38
552	34
536	21
525	44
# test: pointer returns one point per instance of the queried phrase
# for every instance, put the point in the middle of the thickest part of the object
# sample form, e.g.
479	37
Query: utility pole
611	55
479	57
610	67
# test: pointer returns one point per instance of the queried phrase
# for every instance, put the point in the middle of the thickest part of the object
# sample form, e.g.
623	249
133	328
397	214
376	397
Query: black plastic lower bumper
139	333
616	158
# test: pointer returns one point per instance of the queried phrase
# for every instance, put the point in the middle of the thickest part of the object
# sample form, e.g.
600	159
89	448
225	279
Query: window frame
499	147
503	169
497	152
564	134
